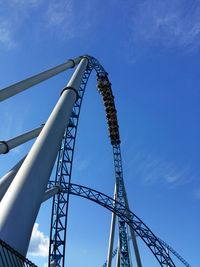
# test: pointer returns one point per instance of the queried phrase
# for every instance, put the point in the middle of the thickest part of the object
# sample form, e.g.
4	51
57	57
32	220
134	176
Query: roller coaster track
109	204
63	180
154	244
176	254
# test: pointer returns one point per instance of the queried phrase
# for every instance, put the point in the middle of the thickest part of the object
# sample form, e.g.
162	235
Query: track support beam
32	178
6	146
38	78
112	235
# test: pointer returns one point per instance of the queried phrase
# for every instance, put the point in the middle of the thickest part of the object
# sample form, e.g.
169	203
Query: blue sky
151	52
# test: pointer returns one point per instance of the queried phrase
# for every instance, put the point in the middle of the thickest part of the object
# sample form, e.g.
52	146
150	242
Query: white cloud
84	164
26	2
59	13
166	23
66	20
152	169
13	13
6	35
39	244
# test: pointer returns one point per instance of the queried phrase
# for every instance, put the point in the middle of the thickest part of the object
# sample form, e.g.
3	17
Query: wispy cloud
13	13
166	23
82	164
151	170
6	39
66	19
39	243
25	2
61	18
59	13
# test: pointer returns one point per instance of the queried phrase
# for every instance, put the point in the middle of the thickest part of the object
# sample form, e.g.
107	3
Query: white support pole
33	80
6	146
50	193
112	234
7	179
118	255
21	203
133	237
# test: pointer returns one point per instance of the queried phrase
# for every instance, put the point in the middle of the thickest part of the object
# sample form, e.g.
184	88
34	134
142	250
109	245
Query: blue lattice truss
61	200
157	247
168	247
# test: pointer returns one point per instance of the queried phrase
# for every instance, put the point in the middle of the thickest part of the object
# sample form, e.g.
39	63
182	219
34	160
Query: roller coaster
29	178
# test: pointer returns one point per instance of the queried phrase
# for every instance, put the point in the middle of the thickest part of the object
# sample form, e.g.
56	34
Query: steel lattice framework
63	176
61	187
176	254
127	217
63	180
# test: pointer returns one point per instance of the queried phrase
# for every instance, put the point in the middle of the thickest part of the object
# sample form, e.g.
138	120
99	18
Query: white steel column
51	192
21	203
6	146
7	179
118	255
112	234
33	80
133	237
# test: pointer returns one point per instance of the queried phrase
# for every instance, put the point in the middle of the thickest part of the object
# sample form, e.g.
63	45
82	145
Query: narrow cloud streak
39	243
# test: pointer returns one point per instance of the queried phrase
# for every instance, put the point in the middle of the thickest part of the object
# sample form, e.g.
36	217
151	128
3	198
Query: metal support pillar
58	232
112	235
6	146
38	78
133	237
123	238
7	179
32	178
51	192
118	255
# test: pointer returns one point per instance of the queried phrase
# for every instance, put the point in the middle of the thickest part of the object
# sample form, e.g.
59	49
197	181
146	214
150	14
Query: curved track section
176	254
64	171
131	219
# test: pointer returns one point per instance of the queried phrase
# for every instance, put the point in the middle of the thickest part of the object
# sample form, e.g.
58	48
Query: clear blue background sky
151	52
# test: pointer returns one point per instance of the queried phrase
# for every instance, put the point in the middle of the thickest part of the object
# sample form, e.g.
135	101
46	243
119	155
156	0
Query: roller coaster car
115	142
103	81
